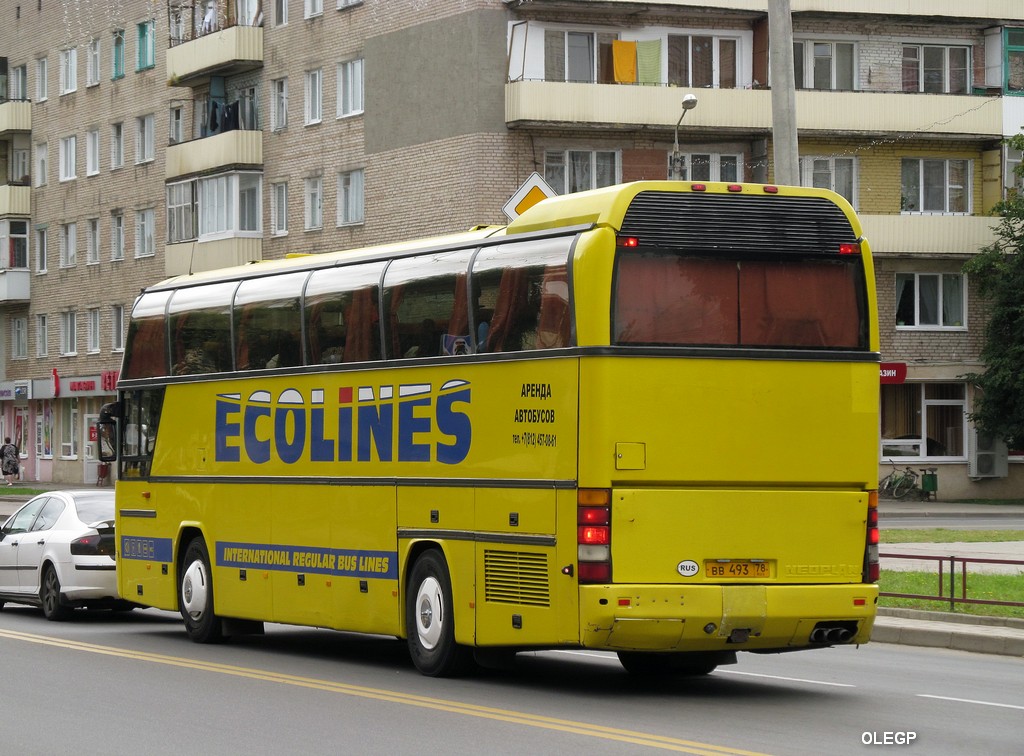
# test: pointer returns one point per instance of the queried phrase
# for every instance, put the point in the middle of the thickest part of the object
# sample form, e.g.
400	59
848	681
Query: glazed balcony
230	149
15	117
212	45
749	111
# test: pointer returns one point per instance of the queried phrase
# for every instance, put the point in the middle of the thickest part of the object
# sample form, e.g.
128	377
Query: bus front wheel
195	594
429	620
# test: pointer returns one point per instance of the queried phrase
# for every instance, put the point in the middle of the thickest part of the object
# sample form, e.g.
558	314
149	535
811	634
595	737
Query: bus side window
201	329
138	441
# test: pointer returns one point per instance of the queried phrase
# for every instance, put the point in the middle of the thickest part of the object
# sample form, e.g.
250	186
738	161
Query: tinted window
268	322
145	354
426	306
200	320
342	316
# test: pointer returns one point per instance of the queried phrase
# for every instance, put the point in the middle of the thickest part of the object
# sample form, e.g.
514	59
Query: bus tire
667	664
429	620
195	594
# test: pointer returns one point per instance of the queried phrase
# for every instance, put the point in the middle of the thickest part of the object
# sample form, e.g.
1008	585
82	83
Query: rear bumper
722	617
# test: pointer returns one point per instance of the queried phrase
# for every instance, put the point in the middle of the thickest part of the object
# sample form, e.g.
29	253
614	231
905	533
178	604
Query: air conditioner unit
987	456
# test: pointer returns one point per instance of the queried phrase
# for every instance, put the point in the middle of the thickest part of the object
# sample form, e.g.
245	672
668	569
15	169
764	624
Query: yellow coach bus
641	419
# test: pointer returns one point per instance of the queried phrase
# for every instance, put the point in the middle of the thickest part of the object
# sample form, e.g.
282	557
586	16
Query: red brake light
628	241
872	568
849	248
698	187
594	535
86	545
591	535
769	189
735	187
592	516
595	572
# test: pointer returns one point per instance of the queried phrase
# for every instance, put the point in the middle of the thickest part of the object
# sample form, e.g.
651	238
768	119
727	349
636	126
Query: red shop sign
893	372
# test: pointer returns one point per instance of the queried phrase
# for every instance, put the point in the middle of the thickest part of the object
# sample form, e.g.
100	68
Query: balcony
15	200
14	285
990	9
749	111
15	116
214	51
236	148
896	235
195	256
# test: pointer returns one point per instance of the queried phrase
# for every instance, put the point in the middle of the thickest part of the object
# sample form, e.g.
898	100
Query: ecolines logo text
360	425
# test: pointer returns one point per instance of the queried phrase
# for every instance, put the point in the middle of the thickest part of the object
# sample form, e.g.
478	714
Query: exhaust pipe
838	635
818	635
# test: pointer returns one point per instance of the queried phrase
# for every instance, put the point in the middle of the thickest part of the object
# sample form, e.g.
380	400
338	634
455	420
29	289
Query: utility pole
780	51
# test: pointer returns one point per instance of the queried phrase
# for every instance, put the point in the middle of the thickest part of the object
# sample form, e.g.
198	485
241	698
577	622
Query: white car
57	553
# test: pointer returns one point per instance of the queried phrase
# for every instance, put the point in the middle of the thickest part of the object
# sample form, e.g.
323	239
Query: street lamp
689	103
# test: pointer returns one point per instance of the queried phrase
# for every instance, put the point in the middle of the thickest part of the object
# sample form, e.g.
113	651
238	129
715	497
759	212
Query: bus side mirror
106	435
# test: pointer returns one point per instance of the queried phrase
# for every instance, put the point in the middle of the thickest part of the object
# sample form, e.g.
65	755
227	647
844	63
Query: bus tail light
849	248
872	569
594	535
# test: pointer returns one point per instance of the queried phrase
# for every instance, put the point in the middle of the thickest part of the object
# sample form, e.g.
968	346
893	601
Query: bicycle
898	483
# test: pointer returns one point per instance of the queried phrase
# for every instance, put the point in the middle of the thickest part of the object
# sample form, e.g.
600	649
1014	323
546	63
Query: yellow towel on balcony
624	61
648	58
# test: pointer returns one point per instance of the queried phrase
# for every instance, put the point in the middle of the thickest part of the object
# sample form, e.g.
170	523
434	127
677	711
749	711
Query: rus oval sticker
687	568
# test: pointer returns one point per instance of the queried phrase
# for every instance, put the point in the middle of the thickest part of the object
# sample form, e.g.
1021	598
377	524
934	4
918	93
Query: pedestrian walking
9	460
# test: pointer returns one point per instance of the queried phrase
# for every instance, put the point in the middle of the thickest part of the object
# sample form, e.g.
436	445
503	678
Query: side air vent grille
513	577
737	223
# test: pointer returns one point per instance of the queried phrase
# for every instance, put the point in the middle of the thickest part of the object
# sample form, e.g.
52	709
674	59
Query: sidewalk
977	634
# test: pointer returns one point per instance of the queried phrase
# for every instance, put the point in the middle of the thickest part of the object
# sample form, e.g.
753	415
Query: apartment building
148	138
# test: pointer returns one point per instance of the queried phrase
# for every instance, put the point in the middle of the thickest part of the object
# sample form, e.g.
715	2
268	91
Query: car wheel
49	596
195	595
429	621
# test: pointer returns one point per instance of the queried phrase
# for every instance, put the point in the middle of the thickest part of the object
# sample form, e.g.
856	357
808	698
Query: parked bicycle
899	483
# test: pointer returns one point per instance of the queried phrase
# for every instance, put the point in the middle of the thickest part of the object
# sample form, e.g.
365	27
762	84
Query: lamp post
689	103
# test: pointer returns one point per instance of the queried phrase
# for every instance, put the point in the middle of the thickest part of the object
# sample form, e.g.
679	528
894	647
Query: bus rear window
667	299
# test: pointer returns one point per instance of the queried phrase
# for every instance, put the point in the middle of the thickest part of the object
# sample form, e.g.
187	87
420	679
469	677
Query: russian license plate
737	568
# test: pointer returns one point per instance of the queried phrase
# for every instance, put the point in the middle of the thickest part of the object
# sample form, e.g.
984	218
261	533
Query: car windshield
93	507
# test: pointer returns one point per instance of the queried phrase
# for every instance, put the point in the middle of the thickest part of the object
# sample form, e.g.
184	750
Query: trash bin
930	483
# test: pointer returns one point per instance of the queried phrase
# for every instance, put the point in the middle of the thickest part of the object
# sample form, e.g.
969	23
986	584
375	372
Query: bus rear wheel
667	664
195	594
429	620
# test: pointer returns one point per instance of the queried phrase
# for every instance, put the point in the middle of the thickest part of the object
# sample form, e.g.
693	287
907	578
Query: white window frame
69	429
714	162
561	159
350	88
716	57
92	63
92	152
116	145
41	249
68	333
145	232
956	281
42	163
313	192
117	51
117	328
19	82
92	329
92	241
807	64
176	125
68	245
67	158
901	450
116	236
41	76
230	205
342	4
922	84
280	12
42	335
68	74
313	106
279	208
279	104
351	197
19	338
181	212
144	135
815	167
907	203
312	8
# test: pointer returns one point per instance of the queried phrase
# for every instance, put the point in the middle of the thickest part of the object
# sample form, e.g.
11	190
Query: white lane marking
970	700
787	679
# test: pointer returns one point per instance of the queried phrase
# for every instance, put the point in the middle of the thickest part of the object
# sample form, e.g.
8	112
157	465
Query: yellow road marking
408	699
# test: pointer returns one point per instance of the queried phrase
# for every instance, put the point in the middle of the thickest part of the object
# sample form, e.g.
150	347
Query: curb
984	635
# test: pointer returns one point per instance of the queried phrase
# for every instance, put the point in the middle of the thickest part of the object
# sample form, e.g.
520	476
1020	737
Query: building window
701	61
708	167
313	8
181	212
117	328
569	171
938	69
117	236
935	186
314	203
69	429
1014	60
92	241
1013	171
68	333
68	245
348	3
230	204
16	232
67	158
68	70
145	233
930	300
837	174
279	208
144	148
824	65
314	96
40	250
44	430
175	128
350	197
117	55
280	12
573	56
92	152
278	104
147	46
923	420
19	83
92	63
42	336
41	74
350	88
116	145
20	171
92	330
19	338
42	161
